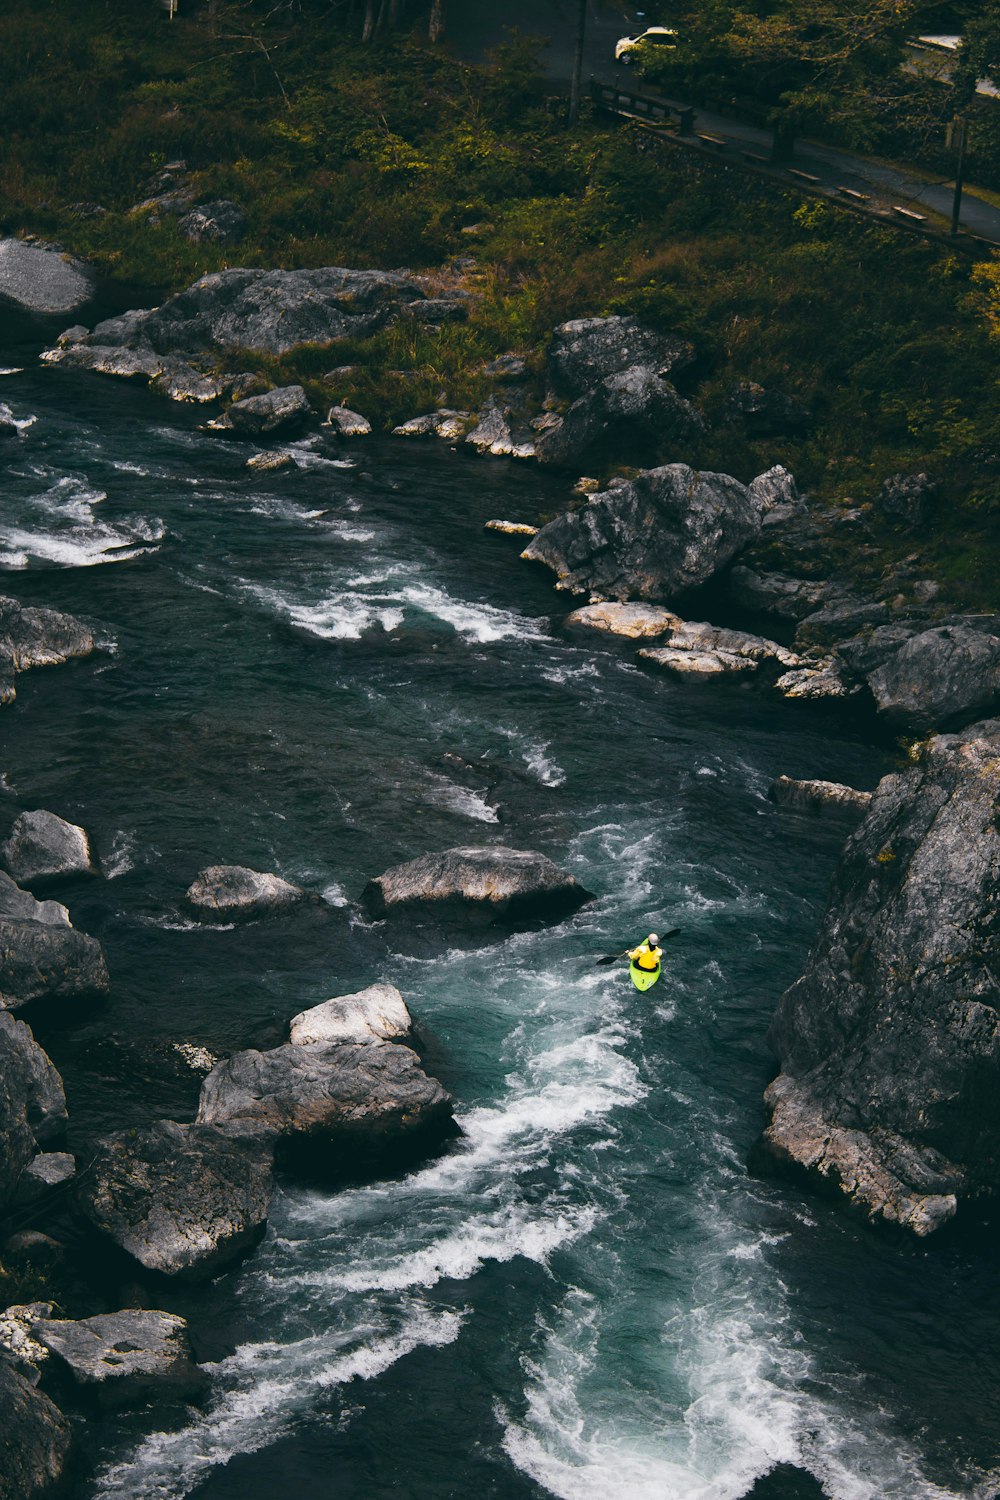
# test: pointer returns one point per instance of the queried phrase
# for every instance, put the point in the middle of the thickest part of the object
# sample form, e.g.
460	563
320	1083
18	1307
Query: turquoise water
588	1296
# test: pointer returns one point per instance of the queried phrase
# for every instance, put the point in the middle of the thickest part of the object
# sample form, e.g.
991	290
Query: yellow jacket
645	957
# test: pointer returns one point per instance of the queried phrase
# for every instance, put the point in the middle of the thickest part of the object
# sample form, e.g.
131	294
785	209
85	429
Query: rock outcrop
227	891
124	1358
42	278
654	537
950	672
35	1439
182	1200
635	412
586	351
41	846
32	637
889	1042
494	882
47	959
32	1102
375	1014
788	792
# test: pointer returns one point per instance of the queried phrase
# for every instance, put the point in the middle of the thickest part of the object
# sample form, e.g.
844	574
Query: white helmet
653	941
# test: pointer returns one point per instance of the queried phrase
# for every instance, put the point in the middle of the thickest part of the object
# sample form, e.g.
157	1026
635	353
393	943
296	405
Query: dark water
589	1297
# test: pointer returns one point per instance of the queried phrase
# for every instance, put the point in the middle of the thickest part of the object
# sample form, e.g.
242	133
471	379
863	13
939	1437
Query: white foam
12	370
462	800
120	858
484	623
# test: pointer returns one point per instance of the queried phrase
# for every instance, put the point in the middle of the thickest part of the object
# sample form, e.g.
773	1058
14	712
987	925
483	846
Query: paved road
478	25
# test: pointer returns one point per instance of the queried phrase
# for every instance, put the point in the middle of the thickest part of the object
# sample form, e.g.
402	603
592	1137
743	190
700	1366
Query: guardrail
642	106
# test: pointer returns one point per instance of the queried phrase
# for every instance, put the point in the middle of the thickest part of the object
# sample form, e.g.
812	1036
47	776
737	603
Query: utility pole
574	88
958	133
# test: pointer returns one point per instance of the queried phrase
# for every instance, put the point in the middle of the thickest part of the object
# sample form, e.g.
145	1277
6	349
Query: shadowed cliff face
890	1040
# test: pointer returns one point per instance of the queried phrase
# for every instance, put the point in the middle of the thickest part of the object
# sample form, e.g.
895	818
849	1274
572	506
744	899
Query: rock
50	1169
948	673
172	204
221	222
30	1247
376	1014
42	278
35	1439
48	960
32	1102
234	891
183	1200
371	1095
907	498
788	792
636	621
125	1358
269	462
687	663
635	411
889	1043
495	881
494	433
766	414
439	310
695	635
511	528
586	351
654	537
820	680
39	637
506	367
179	381
838	620
18	1344
775	489
21	904
348	423
443	423
108	359
285	406
776	594
41	846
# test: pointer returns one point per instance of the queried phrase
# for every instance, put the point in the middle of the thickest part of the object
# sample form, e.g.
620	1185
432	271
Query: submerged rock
889	1043
41	846
788	792
235	891
496	881
125	1358
183	1200
376	1014
654	537
35	1439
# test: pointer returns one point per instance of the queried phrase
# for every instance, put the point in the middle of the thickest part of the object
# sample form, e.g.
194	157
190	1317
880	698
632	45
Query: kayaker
648	954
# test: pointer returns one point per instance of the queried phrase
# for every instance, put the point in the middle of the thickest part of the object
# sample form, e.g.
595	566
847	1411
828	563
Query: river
588	1296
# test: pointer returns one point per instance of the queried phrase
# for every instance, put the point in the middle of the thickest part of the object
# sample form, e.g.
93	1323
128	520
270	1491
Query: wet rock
42	278
46	960
889	1043
107	359
22	904
182	1200
653	537
268	463
179	381
689	663
35	1439
234	891
279	409
635	621
443	423
347	423
788	792
951	672
32	1102
495	882
41	846
635	412
776	594
586	351
221	222
125	1358
32	637
48	1170
375	1014
907	498
494	433
768	413
511	528
357	1097
820	679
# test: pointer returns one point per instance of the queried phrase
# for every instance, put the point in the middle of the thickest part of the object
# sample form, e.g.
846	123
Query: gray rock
375	1014
125	1358
269	462
907	498
32	1248
495	881
635	411
279	409
179	381
17	1341
443	423
586	351
48	1170
511	528
889	1044
221	222
348	423
21	904
788	792
234	891
654	537
48	961
42	278
634	621
948	673
768	413
439	310
354	1096
183	1200
108	359
692	663
41	845
506	367
820	679
838	620
776	594
32	637
494	433
775	489
35	1439
170	204
32	1102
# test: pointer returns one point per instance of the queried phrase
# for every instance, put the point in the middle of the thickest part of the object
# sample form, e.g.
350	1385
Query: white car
628	48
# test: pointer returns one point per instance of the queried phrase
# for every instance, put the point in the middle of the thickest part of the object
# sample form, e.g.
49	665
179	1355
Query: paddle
612	958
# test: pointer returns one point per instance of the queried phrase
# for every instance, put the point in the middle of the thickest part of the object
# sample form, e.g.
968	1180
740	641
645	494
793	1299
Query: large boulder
951	672
226	891
42	278
358	1097
32	637
124	1358
494	882
889	1044
635	413
35	1439
376	1014
656	537
285	407
42	845
32	1102
586	351
48	960
182	1200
